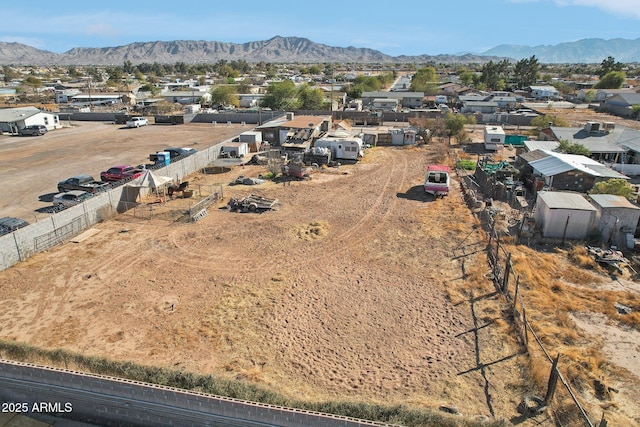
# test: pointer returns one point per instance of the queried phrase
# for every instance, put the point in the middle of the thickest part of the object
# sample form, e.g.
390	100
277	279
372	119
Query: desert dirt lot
32	166
358	288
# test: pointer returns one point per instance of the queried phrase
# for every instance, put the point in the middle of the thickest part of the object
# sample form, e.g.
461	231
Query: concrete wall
112	401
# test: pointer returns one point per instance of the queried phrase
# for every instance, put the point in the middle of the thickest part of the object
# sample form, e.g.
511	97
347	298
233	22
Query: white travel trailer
350	148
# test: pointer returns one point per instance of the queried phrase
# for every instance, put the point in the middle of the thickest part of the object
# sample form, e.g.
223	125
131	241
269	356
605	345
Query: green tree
9	73
494	74
281	96
128	67
615	186
225	96
315	69
115	73
567	147
425	80
454	123
466	78
608	65
635	111
310	98
590	95
612	80
547	120
526	72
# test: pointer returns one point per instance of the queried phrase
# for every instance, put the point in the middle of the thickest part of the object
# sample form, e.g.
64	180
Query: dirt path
359	287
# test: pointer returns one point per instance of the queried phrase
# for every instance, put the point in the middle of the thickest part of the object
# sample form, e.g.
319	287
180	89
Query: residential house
405	99
568	172
295	134
622	104
12	119
250	100
544	92
613	144
63	96
384	104
564	215
617	219
505	102
601	95
187	97
484	107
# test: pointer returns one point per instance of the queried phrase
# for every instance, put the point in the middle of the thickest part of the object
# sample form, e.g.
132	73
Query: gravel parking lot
32	166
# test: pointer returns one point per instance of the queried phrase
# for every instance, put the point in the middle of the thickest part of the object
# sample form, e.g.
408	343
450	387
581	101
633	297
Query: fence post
507	271
524	322
496	267
553	380
603	422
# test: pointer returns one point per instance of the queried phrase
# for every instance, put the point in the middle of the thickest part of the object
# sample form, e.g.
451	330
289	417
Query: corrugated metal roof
541	145
558	163
533	155
613	201
565	200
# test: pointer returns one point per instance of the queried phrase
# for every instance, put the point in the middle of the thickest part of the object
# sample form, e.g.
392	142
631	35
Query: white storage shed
235	149
564	215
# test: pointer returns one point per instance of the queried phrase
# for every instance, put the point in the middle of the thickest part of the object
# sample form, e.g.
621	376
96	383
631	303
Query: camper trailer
342	148
436	182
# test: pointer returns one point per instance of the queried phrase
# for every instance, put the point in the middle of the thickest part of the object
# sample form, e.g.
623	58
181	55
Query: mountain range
301	50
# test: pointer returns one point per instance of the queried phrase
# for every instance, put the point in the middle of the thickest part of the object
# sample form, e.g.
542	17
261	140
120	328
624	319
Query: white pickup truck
136	122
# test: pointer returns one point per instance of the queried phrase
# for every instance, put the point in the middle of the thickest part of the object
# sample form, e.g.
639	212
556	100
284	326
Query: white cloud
628	8
624	8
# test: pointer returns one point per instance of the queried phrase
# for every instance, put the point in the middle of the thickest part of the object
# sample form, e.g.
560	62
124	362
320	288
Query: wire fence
566	406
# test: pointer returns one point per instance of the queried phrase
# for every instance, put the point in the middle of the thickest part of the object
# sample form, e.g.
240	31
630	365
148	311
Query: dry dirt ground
358	287
32	166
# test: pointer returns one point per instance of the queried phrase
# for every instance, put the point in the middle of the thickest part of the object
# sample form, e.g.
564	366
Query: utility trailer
297	170
253	203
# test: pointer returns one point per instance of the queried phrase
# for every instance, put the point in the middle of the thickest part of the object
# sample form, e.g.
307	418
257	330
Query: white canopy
149	179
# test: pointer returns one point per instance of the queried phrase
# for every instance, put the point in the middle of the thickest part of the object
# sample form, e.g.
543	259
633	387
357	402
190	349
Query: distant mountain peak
590	50
302	50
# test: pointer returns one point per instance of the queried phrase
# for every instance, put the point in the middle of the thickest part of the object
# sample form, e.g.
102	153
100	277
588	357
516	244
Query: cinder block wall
121	402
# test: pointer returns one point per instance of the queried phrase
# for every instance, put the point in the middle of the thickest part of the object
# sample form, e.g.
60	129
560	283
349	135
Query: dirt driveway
32	166
357	288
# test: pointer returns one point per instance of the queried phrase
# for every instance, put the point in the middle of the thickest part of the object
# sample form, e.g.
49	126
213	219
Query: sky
406	27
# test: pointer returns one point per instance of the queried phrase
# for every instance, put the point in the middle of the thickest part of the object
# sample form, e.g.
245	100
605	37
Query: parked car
9	224
179	152
82	182
33	130
136	122
70	198
117	173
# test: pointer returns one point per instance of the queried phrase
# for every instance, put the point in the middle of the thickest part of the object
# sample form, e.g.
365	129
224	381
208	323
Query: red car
117	173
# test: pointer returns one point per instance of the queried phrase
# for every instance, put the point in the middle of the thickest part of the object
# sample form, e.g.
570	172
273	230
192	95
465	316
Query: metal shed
235	149
617	218
564	215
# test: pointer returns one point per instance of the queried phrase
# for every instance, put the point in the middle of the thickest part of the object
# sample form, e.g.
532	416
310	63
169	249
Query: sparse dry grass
312	231
551	290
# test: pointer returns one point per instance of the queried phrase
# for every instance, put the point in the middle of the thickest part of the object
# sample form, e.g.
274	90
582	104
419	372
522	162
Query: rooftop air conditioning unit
608	126
592	127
